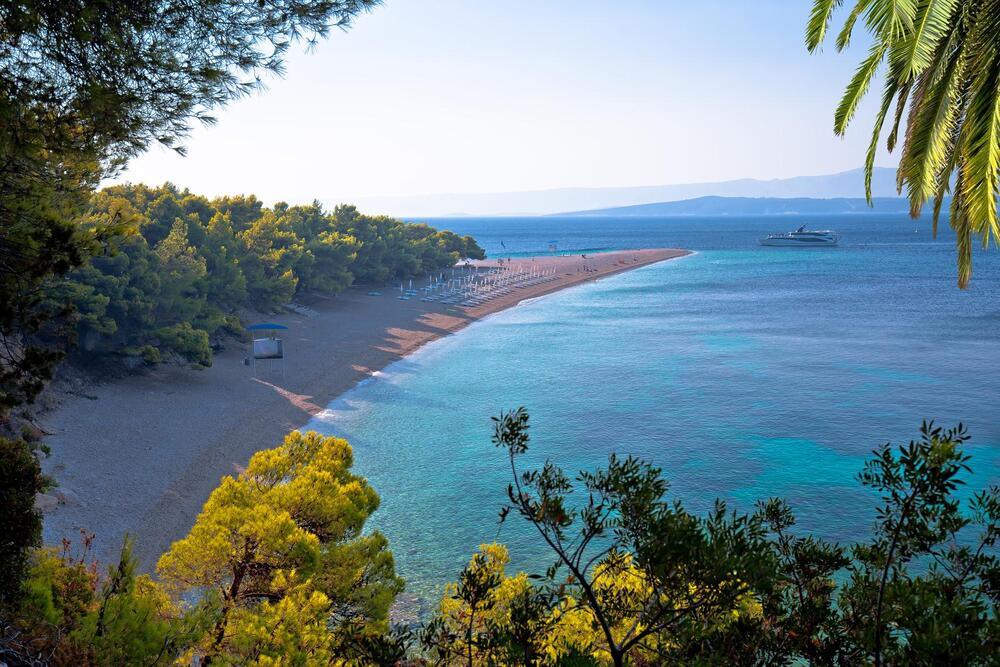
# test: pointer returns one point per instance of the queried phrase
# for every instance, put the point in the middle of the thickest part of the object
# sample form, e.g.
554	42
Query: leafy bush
280	561
645	583
20	522
71	615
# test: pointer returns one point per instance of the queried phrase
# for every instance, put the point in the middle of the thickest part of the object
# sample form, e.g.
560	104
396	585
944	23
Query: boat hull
798	243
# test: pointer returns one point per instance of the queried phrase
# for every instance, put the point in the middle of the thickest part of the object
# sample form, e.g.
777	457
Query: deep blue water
744	372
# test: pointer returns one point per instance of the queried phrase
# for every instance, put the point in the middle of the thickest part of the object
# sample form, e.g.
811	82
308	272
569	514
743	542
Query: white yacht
801	238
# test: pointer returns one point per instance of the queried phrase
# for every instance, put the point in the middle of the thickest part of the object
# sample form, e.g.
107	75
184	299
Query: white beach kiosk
266	346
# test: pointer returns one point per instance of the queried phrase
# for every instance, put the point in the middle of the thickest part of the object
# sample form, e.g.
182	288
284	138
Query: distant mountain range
721	206
847	185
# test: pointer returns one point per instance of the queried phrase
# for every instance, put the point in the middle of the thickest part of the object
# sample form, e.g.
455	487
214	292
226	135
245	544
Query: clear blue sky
427	96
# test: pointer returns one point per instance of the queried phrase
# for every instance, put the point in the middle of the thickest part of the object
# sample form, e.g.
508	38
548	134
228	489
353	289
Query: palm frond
960	223
942	177
904	95
819	21
891	20
943	180
938	202
933	20
857	87
943	73
931	134
981	148
891	88
844	38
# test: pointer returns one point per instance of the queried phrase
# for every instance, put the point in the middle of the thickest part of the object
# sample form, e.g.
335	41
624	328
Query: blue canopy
266	326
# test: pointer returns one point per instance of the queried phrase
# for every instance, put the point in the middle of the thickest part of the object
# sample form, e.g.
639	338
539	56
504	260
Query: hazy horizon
842	185
569	200
442	97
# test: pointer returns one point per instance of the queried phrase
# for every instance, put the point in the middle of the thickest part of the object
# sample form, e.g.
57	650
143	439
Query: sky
467	96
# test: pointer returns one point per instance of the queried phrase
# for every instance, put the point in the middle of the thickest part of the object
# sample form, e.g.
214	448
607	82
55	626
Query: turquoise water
744	372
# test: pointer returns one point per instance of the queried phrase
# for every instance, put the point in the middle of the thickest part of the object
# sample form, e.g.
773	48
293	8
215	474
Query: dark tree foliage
174	288
695	569
85	86
20	523
118	75
924	589
37	241
483	638
390	649
71	614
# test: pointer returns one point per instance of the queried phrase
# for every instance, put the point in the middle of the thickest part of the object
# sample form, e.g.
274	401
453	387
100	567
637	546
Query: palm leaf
933	20
960	223
819	20
981	147
891	88
904	95
929	155
857	87
938	201
916	104
943	60
943	178
844	38
891	20
931	134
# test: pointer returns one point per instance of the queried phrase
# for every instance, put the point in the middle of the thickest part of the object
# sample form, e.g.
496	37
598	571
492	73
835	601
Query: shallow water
744	372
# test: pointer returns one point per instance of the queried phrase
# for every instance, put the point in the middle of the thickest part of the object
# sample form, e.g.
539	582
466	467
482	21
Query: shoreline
141	454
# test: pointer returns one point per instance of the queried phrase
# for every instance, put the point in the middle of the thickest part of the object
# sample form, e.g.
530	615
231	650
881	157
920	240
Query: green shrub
20	522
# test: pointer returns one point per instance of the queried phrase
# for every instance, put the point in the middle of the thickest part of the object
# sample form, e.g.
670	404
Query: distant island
723	206
846	184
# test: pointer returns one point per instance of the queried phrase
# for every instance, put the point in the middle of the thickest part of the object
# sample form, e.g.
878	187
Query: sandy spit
141	455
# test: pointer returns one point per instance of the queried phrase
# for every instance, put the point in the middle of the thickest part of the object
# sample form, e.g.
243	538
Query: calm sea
744	372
